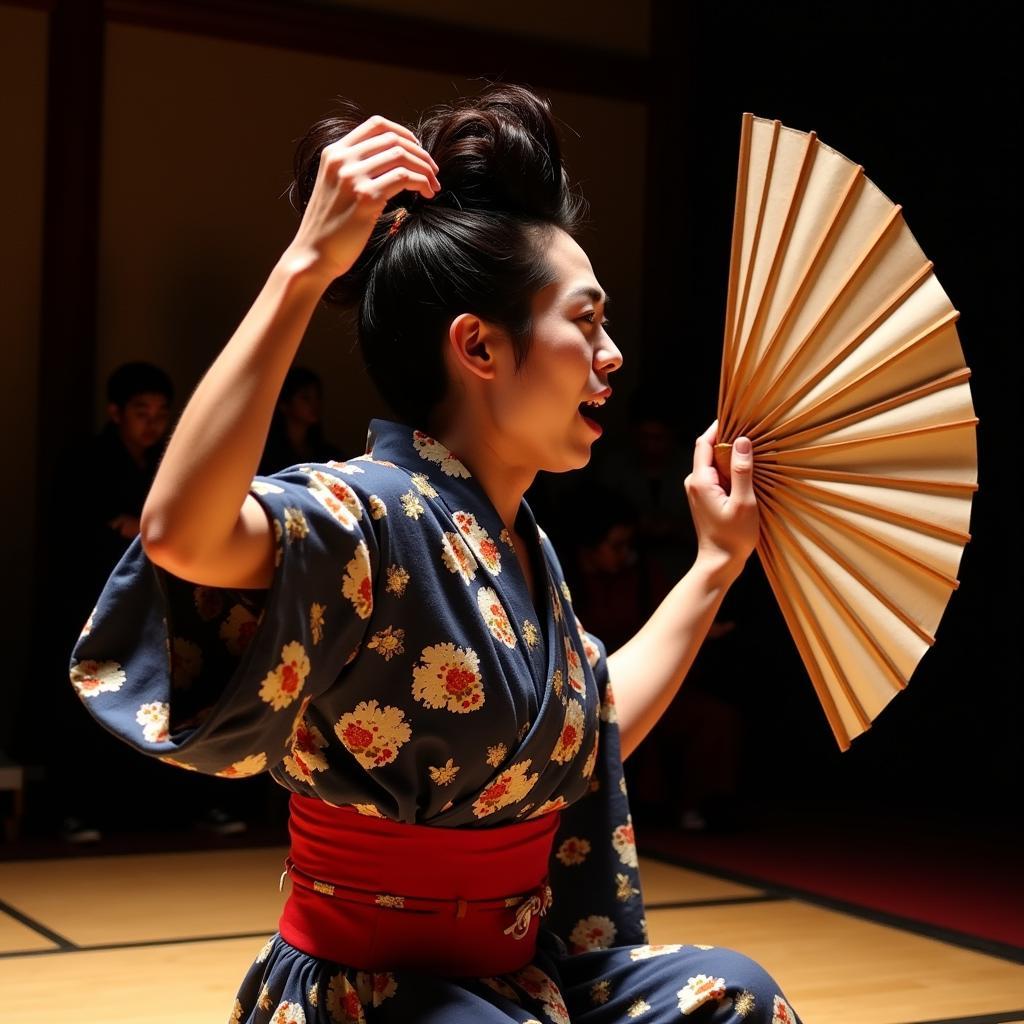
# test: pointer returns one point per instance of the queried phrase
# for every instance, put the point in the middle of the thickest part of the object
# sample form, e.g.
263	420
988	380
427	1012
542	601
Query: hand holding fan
841	362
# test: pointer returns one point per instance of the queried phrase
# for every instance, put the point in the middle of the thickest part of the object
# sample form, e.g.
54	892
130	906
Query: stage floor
95	940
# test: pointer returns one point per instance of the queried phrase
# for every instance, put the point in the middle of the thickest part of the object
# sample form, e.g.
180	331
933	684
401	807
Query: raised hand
727	522
357	175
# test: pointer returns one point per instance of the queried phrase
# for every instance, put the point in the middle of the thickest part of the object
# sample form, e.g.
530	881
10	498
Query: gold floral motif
387	642
411	505
392	902
295	525
423	485
637	1007
445	774
368	810
744	1003
397	580
556	682
530	633
600	992
325	887
316	621
624	889
496	754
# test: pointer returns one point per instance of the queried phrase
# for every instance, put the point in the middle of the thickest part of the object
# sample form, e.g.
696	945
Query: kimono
398	615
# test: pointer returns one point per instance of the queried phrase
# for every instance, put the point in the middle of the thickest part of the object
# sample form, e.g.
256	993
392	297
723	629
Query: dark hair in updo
477	247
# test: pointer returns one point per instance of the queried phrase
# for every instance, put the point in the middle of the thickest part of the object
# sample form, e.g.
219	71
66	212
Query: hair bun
500	151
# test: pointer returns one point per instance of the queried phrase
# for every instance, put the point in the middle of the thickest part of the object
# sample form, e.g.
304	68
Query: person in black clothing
296	432
118	465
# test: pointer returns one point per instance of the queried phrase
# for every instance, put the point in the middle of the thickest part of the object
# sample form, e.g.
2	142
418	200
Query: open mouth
592	415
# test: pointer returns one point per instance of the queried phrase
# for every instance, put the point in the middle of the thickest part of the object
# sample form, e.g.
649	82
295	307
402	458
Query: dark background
927	100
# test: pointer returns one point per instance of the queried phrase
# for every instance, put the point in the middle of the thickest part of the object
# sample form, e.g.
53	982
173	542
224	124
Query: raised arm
199	521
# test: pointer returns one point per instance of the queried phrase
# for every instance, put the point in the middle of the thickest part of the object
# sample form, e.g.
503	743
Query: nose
607	357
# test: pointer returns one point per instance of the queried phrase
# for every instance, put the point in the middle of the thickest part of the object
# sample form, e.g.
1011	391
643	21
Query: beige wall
23	35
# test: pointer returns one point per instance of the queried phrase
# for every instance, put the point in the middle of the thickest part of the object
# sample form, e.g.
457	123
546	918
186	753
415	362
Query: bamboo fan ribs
841	363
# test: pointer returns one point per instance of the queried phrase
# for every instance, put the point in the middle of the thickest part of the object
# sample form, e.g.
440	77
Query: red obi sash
381	895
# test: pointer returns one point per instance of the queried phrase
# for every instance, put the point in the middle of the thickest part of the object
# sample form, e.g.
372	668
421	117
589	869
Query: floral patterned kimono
399	614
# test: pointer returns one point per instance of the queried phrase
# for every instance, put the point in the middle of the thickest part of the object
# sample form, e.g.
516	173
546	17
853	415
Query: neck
503	481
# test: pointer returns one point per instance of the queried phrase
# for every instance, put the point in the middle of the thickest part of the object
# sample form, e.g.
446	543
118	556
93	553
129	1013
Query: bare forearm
204	475
647	671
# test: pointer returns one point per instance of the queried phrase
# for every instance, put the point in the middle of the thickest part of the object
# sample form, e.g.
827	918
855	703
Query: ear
473	344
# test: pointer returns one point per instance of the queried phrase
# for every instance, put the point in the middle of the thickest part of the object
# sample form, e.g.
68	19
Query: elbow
152	531
160	545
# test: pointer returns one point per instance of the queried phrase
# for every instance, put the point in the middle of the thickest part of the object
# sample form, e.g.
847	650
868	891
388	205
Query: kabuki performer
392	638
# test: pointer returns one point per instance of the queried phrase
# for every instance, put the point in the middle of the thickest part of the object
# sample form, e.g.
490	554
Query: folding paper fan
841	362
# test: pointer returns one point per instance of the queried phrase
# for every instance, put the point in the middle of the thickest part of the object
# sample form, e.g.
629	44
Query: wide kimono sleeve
594	870
213	678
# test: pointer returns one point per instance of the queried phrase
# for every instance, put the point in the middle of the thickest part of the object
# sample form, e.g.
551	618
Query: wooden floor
165	939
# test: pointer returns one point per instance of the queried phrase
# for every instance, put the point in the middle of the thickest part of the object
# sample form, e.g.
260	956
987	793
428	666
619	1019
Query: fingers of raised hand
702	452
377	124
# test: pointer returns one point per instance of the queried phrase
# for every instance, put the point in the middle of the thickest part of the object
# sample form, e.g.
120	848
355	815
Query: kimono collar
439	467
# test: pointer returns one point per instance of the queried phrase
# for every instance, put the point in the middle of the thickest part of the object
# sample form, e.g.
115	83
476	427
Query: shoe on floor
75	830
217	820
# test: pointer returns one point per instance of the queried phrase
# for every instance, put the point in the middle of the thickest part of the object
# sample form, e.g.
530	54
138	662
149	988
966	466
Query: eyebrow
594	294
